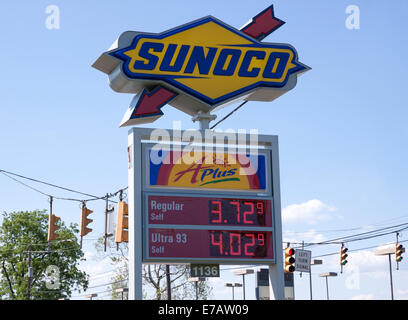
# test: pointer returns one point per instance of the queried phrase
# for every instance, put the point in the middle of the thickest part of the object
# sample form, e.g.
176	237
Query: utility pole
106	224
30	273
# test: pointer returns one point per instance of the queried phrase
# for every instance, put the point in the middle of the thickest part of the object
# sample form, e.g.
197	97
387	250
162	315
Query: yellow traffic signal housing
343	255
53	227
122	223
399	249
85	212
289	260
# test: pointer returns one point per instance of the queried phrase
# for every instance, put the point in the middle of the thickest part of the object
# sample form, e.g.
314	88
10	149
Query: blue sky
342	130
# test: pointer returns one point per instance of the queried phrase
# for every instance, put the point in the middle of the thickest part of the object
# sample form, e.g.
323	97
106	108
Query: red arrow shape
150	103
262	24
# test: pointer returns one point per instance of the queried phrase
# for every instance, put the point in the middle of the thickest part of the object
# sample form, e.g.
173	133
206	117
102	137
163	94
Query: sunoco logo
208	60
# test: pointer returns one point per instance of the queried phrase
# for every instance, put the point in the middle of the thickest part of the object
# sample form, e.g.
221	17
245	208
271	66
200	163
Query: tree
55	264
154	277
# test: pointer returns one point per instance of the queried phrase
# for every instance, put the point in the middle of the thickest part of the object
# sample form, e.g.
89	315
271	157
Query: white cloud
369	263
97	269
310	212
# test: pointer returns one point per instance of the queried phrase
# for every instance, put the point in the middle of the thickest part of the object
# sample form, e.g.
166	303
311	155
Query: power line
404	217
349	238
8	173
354	250
107	284
229	114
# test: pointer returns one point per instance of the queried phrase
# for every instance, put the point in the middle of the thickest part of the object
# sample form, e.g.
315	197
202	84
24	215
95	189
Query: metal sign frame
137	137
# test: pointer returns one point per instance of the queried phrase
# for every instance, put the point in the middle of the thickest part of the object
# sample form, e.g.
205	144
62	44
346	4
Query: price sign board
212	211
211	207
197	227
204	270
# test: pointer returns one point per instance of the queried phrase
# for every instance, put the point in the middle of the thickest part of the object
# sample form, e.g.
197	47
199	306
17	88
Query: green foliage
22	233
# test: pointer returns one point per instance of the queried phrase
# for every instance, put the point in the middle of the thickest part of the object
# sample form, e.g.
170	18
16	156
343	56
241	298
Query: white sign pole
276	276
135	214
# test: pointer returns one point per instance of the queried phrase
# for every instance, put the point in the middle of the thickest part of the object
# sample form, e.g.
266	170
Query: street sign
204	270
303	260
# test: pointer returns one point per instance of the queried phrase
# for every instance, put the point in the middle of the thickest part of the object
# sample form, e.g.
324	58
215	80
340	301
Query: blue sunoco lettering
246	62
178	64
144	53
280	58
198	58
230	68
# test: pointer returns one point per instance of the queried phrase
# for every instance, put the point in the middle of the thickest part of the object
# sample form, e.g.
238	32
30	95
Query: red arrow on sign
147	106
262	24
150	103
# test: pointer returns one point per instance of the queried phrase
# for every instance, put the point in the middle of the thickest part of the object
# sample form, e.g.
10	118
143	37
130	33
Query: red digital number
215	243
238	244
216	211
251	211
236	203
260	207
261	237
252	243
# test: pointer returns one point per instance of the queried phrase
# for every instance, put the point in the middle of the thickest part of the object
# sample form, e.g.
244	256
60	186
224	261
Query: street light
243	272
196	280
121	290
90	296
387	250
313	262
326	275
233	285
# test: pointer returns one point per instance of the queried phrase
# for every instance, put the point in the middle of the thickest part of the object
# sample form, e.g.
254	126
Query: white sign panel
303	259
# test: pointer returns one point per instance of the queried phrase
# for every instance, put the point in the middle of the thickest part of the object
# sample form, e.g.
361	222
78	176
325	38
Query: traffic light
289	260
343	255
399	249
85	212
52	227
122	223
